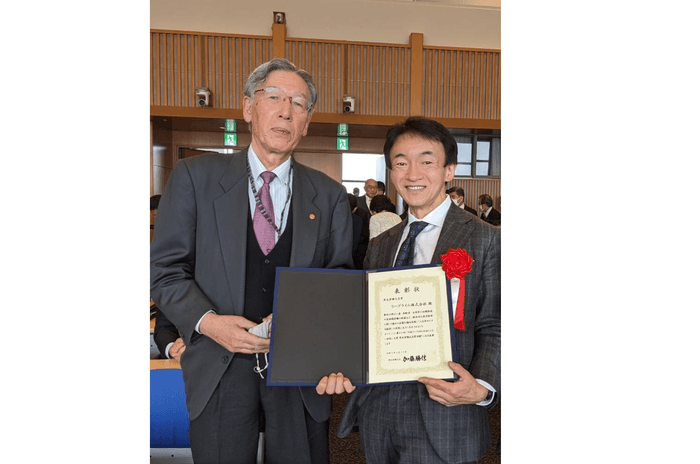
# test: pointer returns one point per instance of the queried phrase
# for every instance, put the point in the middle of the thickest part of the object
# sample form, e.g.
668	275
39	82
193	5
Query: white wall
354	20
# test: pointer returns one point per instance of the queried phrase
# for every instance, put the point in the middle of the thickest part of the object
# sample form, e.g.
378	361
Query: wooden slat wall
325	62
379	77
457	83
182	62
461	83
475	187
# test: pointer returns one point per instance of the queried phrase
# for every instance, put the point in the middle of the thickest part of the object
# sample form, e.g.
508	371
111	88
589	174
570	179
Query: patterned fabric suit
458	433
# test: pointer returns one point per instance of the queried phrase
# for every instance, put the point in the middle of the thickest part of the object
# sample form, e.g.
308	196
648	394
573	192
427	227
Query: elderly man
224	224
433	421
371	188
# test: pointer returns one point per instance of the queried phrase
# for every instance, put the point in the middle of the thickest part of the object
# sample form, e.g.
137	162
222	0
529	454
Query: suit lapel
457	227
387	253
229	209
306	218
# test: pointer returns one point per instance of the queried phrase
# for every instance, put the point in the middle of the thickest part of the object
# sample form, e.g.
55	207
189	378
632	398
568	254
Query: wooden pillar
279	36
416	42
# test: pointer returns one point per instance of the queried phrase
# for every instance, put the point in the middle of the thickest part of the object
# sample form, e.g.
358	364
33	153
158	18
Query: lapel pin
312	216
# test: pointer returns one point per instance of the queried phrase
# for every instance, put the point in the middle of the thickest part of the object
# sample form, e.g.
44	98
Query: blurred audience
384	215
488	212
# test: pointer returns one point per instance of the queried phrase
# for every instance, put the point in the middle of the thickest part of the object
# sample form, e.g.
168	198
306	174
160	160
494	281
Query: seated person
384	215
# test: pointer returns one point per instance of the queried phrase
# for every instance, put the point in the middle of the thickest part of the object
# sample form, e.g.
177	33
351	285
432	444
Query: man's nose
285	108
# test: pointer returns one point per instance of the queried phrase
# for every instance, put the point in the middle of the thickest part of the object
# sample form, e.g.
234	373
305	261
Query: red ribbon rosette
457	263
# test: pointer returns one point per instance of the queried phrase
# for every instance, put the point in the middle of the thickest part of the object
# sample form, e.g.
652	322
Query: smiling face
276	129
419	173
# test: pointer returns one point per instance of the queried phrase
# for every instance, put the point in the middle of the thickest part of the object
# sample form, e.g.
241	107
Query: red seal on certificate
457	263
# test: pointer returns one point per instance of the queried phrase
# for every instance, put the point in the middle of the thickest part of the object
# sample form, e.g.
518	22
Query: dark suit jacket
469	210
458	433
356	231
362	203
164	332
493	218
358	255
198	255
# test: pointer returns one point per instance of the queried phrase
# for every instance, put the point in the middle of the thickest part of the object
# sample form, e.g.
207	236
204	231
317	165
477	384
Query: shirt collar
436	217
256	167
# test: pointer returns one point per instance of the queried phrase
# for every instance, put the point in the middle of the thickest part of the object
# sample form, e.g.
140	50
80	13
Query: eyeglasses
274	96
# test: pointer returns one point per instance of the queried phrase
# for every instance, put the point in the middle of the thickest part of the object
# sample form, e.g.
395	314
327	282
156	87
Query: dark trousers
227	430
391	427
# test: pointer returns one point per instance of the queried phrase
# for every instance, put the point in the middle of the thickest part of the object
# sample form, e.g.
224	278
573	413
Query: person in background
488	212
360	233
383	217
457	196
433	421
356	192
358	255
381	188
225	223
370	192
165	334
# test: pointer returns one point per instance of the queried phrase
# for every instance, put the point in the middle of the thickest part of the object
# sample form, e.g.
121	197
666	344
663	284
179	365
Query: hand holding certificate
373	326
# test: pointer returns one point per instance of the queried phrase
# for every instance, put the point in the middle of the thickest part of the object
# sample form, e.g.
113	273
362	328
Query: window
478	156
358	167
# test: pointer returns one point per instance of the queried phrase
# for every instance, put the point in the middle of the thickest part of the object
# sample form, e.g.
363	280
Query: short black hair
380	203
155	199
381	186
486	199
428	129
458	190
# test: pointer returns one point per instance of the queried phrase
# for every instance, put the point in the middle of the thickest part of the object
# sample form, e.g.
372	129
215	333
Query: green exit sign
342	129
342	143
230	125
230	140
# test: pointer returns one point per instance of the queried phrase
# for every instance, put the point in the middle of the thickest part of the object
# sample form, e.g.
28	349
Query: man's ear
450	172
247	109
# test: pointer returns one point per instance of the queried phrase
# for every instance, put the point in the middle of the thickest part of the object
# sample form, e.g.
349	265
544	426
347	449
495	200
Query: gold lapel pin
312	216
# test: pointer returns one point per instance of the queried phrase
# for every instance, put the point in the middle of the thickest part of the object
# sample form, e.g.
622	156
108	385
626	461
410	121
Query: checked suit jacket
458	433
198	255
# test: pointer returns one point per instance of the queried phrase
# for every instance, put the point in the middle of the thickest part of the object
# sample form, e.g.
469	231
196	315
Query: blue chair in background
170	425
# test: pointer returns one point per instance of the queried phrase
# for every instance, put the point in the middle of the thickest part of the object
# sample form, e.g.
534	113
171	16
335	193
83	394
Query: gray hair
278	64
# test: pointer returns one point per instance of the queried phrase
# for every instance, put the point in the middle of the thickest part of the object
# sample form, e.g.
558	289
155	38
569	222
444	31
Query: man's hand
464	391
334	384
231	332
176	349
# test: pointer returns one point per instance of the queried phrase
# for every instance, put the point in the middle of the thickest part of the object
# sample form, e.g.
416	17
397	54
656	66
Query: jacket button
224	359
267	261
264	290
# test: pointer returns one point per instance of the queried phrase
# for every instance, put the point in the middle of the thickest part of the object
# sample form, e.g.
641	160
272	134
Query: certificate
383	326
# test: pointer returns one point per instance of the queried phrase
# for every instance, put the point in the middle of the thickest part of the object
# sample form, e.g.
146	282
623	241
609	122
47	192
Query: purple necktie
264	231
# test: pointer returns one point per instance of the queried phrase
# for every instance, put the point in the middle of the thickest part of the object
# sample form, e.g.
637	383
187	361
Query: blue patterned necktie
405	256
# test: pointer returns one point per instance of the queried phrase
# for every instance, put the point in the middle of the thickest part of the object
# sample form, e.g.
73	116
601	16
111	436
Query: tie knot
267	176
416	228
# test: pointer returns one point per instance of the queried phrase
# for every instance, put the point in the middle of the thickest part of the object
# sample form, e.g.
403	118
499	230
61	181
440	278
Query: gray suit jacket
458	433
198	255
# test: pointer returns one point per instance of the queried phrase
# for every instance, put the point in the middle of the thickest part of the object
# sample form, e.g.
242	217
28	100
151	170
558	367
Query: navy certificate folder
320	326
